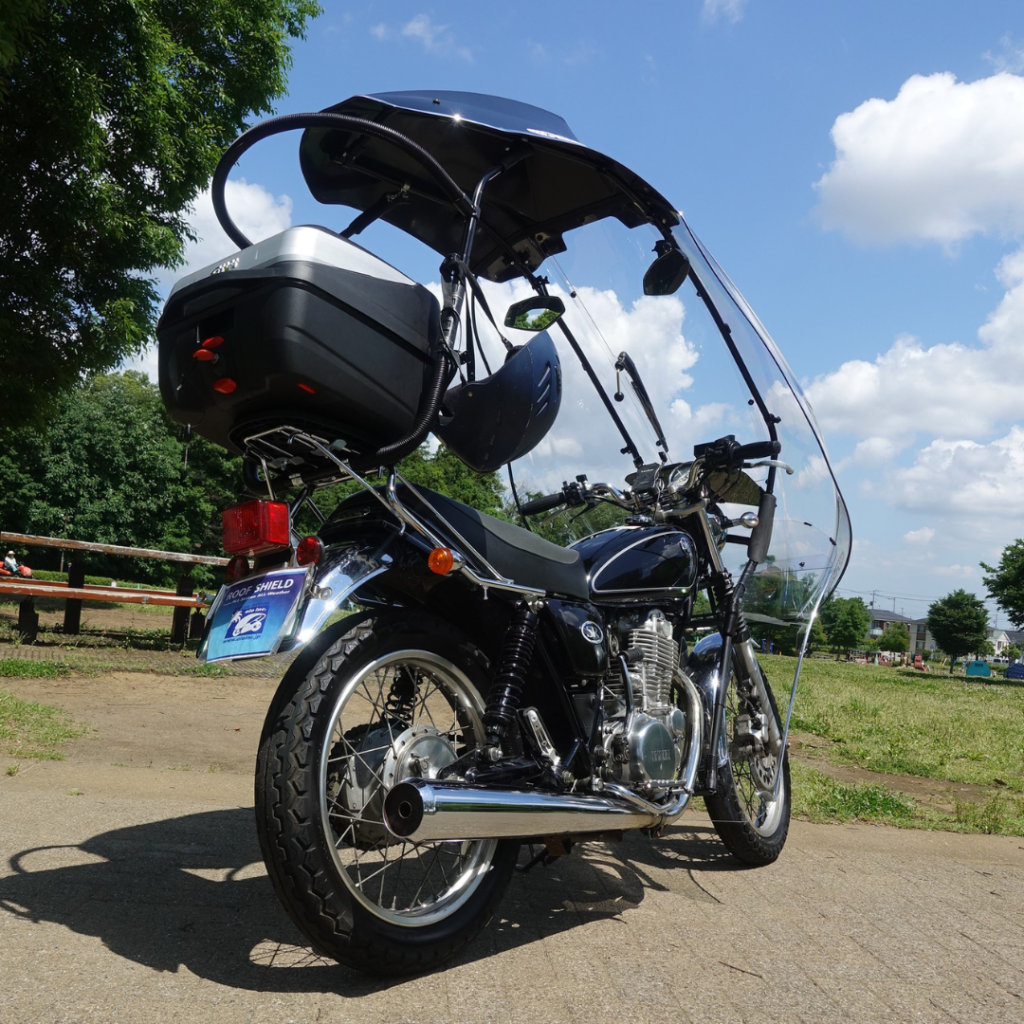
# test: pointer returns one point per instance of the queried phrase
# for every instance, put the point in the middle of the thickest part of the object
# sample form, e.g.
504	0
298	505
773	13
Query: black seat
516	553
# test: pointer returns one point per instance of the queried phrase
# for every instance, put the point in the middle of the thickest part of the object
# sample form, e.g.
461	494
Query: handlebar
727	454
544	503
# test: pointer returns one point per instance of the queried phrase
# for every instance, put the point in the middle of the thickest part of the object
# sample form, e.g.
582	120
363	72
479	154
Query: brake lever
774	463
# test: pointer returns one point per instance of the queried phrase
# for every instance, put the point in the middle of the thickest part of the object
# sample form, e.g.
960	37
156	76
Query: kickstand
543	857
554	847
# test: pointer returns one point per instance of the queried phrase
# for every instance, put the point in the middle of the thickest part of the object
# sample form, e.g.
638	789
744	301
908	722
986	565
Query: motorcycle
464	685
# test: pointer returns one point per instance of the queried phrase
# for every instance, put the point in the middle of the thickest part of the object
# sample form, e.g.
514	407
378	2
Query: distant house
880	618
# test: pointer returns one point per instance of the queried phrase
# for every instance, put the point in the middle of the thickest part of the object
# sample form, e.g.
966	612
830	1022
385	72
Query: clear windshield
700	391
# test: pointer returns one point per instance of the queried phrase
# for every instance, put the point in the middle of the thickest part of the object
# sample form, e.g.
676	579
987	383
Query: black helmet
492	421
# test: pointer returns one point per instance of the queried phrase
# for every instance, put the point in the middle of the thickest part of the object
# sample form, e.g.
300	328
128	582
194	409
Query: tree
959	623
113	114
895	638
1012	651
112	469
846	621
1005	582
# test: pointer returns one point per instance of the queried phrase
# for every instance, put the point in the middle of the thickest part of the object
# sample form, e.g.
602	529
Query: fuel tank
639	563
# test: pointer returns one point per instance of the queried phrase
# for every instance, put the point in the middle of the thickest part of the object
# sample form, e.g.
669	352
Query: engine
644	742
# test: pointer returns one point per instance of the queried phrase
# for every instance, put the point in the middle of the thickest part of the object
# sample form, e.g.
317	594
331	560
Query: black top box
304	329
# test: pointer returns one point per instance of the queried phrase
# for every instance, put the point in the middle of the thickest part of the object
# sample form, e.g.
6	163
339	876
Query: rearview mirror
536	313
667	272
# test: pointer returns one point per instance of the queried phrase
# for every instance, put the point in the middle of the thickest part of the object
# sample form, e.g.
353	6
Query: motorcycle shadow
191	892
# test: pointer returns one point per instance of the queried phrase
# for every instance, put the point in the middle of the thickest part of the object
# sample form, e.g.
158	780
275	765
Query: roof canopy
558	184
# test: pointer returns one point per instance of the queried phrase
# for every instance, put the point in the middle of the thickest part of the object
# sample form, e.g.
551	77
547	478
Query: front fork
737	654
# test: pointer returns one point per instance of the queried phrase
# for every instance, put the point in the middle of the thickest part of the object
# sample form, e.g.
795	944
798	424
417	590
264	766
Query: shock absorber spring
507	690
401	698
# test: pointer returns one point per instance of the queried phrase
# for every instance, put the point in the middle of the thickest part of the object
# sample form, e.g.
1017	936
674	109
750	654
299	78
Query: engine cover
650	750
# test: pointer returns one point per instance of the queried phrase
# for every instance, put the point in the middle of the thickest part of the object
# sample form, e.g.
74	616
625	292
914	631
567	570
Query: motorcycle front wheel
388	699
752	825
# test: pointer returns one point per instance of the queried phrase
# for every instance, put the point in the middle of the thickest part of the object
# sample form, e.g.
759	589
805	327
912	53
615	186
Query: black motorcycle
465	685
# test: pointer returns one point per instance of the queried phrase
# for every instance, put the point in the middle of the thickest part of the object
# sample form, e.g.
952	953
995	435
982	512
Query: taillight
255	527
237	569
309	551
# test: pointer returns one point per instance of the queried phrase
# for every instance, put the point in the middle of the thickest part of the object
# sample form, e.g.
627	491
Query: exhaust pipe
425	811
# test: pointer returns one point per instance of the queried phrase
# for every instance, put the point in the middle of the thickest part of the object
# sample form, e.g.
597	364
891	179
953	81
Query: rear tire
389	697
754	828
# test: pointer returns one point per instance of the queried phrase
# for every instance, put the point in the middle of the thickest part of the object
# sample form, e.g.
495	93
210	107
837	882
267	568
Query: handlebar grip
759	450
544	503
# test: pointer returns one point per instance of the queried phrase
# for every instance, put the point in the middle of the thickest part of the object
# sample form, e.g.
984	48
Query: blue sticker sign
252	617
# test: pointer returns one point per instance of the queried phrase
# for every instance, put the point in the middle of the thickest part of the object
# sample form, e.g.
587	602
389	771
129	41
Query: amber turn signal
441	561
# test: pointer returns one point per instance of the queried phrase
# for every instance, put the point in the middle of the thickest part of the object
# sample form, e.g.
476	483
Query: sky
857	168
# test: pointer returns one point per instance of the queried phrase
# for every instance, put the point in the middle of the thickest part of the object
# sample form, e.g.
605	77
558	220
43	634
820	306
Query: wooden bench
76	589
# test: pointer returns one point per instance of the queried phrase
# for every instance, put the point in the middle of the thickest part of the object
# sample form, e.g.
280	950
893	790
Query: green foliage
113	116
895	638
1012	651
28	729
21	669
959	624
846	621
1005	582
111	469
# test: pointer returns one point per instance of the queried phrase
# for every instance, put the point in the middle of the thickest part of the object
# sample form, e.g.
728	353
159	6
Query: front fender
346	565
703	668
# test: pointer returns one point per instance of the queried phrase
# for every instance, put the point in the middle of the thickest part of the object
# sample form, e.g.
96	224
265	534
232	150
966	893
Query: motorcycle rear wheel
752	826
391	696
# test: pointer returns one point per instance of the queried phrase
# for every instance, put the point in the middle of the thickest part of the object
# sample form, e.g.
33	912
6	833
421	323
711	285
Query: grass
907	723
817	797
28	729
902	722
20	669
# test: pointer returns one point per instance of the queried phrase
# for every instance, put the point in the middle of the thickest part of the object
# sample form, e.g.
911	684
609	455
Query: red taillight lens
308	388
213	342
255	527
225	385
204	355
237	569
309	551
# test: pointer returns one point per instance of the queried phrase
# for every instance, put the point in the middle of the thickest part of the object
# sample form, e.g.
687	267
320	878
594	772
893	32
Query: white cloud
258	215
1011	58
435	39
964	480
730	10
942	161
911	389
921	536
379	32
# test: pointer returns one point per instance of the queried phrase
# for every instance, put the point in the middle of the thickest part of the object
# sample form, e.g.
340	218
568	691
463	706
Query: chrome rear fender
345	566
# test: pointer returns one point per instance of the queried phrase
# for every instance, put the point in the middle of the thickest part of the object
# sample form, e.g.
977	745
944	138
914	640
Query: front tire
392	696
752	825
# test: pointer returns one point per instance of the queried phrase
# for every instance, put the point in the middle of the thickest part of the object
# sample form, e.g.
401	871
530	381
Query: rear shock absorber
507	689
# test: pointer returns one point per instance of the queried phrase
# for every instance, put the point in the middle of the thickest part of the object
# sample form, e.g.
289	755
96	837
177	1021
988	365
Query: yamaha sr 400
461	685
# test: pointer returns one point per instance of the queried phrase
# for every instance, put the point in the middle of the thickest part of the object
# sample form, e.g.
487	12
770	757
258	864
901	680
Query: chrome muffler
425	810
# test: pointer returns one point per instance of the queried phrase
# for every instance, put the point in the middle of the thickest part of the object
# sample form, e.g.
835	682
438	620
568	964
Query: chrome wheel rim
402	882
751	777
